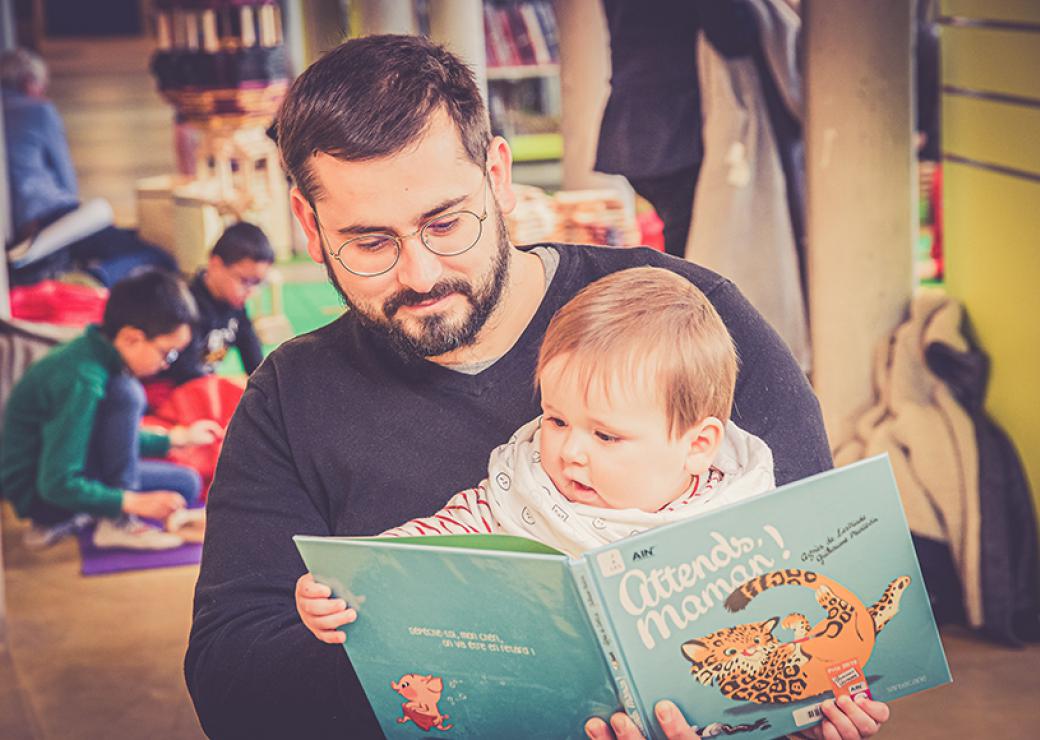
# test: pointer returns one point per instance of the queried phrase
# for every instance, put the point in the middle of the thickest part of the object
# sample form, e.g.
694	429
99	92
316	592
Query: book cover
746	617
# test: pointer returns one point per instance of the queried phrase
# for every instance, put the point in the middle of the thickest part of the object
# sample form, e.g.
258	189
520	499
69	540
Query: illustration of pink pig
422	693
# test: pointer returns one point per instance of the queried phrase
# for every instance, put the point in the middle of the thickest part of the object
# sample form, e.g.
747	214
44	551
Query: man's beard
437	334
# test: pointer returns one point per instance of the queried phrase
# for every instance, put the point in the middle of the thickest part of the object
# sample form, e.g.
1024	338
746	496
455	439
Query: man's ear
500	173
704	441
304	214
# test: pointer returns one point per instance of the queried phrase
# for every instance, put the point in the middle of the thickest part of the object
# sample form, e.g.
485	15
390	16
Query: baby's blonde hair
648	328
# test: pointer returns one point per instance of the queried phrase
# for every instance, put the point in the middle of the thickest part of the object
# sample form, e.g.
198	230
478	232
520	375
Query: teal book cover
747	617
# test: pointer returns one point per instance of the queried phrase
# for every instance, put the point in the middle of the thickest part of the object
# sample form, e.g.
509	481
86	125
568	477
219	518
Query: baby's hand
320	612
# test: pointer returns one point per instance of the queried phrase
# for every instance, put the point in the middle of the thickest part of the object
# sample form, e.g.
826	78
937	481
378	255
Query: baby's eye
556	421
603	436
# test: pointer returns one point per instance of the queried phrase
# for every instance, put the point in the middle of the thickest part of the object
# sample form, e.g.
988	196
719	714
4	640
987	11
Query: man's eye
442	226
370	243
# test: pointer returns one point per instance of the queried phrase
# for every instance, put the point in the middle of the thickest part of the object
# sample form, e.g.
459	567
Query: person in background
651	127
45	202
238	264
72	444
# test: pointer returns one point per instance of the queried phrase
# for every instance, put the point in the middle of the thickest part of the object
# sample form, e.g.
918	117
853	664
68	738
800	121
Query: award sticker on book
847	679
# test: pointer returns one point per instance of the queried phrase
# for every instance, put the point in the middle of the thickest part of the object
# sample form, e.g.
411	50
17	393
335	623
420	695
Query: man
379	416
71	435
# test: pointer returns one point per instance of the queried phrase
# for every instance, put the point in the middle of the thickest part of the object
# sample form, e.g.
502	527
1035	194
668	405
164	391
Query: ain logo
645	553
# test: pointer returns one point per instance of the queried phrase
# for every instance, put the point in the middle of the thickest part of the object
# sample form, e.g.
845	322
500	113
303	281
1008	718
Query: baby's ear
704	440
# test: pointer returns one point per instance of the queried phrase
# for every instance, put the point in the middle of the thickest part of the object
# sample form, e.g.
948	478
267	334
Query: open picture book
747	617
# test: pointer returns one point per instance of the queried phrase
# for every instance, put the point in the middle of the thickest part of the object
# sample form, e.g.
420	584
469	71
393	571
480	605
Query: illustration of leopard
748	663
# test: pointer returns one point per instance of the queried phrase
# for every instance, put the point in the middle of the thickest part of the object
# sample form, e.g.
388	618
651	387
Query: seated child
237	265
72	441
637	374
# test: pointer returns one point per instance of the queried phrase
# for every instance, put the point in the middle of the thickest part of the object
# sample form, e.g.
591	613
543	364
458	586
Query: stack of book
576	216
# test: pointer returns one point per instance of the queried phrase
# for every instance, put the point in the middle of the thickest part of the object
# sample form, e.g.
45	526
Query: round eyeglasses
447	235
168	356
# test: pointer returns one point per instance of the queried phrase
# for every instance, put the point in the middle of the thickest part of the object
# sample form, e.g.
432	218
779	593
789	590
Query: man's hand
846	719
152	504
201	432
622	728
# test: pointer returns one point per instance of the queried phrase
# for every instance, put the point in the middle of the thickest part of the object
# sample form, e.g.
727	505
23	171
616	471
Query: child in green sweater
72	444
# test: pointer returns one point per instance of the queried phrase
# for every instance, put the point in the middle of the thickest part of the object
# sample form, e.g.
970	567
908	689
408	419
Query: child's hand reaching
321	613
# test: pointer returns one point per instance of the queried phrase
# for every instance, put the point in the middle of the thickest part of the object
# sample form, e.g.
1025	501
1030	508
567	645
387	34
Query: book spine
624	686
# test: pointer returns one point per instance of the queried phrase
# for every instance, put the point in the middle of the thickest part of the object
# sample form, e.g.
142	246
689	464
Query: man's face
427	305
234	283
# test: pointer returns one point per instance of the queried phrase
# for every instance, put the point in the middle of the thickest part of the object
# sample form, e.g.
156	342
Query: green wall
991	203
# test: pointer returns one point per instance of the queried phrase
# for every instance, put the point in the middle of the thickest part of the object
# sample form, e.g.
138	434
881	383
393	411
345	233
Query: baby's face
610	447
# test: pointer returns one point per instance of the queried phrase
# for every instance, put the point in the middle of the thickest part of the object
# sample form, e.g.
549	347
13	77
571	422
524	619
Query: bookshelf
523	74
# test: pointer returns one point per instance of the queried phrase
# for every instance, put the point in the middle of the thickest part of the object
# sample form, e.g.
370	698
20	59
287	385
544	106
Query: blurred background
906	137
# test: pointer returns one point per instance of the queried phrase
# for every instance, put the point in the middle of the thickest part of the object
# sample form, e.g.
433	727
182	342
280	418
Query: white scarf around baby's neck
526	503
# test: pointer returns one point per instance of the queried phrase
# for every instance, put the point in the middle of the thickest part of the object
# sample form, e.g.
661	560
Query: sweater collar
103	348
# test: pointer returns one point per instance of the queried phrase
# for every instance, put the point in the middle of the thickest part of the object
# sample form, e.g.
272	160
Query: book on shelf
748	617
539	48
520	34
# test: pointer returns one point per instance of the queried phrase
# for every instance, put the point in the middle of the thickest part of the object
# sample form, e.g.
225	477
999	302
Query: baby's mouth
582	493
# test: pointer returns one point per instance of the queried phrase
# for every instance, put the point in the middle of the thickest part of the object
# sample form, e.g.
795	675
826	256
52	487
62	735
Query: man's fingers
624	728
842	725
620	728
597	729
673	723
876	710
856	713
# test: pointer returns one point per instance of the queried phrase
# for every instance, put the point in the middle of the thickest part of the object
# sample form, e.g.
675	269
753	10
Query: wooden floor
101	657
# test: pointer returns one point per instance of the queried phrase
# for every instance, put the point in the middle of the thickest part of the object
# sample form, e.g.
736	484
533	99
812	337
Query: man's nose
418	268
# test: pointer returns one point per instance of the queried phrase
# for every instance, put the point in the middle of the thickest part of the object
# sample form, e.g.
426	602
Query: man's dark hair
155	302
243	241
371	97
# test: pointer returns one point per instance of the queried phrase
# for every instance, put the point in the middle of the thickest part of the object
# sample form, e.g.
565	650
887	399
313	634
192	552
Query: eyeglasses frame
399	240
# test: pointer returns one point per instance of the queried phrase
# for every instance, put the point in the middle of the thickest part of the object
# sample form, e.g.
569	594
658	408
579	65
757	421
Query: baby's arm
321	613
466	512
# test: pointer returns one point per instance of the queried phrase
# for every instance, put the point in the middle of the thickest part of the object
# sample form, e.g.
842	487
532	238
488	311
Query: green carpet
308	306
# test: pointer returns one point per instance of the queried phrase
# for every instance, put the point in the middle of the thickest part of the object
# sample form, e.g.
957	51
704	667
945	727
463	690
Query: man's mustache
409	297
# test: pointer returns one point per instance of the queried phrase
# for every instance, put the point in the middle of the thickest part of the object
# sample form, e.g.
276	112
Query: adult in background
379	416
651	126
53	231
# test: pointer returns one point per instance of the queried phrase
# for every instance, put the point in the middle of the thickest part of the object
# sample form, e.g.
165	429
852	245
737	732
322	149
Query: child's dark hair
243	241
153	301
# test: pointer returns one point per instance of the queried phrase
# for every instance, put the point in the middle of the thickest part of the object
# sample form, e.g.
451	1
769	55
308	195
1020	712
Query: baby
636	374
